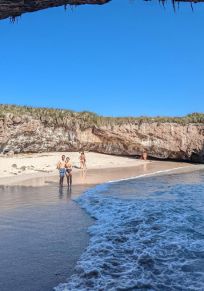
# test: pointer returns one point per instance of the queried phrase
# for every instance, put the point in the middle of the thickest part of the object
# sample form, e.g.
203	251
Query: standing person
68	166
61	168
82	160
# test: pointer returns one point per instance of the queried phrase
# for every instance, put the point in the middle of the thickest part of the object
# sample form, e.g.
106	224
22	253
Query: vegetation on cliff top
64	117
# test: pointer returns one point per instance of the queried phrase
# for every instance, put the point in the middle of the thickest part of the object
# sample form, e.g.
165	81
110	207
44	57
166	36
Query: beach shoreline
134	226
16	169
101	168
35	199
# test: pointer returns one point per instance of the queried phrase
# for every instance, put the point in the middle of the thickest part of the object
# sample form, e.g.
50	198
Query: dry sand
24	166
40	169
46	162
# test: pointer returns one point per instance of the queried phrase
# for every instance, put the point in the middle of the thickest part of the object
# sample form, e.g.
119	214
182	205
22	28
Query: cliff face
23	134
14	8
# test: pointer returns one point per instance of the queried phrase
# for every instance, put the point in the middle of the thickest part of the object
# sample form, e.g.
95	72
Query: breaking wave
151	243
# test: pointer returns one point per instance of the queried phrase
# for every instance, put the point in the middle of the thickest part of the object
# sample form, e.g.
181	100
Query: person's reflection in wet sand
83	176
61	194
69	193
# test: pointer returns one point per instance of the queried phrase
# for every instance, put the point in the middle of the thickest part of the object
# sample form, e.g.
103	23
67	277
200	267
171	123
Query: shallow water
42	234
148	235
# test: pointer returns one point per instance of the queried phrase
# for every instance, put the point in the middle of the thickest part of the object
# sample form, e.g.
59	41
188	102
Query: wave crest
150	244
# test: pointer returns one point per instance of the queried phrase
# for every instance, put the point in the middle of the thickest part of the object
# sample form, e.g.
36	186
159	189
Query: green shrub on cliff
61	117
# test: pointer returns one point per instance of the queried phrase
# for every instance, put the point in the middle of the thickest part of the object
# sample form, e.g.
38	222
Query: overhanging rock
14	8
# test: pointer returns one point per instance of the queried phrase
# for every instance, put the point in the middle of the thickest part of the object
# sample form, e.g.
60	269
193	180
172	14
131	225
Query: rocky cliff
30	132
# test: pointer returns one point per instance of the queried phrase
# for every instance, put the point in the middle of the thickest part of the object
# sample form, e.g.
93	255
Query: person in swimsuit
68	167
82	160
61	168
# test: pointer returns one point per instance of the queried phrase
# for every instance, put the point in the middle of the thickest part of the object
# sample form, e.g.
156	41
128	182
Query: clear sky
123	58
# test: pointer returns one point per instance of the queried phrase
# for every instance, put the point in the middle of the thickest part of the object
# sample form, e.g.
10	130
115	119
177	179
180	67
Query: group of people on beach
65	168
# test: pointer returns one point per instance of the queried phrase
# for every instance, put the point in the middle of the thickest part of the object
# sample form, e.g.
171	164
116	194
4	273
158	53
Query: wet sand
43	231
42	234
95	176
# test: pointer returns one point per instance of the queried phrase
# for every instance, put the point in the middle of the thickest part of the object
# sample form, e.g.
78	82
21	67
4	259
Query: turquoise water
148	235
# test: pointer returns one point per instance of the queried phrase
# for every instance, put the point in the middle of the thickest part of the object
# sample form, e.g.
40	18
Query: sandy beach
122	83
38	168
24	164
47	226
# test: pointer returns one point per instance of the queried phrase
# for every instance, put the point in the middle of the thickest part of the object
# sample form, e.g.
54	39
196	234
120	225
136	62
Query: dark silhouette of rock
14	8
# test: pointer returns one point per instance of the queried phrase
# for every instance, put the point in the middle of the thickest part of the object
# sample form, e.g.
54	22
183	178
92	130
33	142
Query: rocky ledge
14	8
31	131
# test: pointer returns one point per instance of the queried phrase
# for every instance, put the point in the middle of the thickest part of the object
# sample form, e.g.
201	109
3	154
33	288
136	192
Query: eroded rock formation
14	8
166	140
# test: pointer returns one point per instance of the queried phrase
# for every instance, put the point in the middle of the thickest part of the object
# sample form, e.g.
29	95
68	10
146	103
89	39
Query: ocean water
148	235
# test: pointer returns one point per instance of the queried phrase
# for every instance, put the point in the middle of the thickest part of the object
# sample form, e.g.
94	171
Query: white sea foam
150	244
154	173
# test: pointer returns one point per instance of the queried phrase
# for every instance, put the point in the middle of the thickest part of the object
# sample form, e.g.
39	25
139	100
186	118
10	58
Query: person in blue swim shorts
62	170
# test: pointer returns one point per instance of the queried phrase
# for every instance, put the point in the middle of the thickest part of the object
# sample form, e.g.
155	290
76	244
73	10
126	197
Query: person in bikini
61	168
82	160
68	167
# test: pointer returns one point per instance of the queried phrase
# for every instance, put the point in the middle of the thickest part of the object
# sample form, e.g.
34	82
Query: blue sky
124	58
